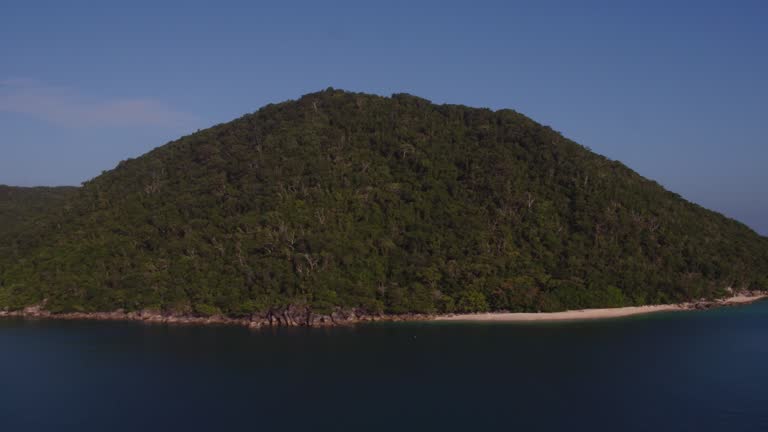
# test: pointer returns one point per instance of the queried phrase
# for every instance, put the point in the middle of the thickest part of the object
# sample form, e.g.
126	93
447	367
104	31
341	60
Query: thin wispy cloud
69	107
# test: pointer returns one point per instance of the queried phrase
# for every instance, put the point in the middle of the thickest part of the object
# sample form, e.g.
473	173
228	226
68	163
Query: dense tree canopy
389	204
22	205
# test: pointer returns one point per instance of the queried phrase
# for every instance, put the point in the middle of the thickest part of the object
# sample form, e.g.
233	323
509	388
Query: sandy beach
586	314
302	317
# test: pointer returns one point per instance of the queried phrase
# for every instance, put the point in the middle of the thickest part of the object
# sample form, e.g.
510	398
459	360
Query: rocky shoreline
738	299
302	316
291	316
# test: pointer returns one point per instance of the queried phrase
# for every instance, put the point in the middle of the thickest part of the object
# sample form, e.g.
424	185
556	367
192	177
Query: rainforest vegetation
23	205
388	204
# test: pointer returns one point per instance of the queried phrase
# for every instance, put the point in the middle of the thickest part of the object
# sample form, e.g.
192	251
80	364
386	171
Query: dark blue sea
683	371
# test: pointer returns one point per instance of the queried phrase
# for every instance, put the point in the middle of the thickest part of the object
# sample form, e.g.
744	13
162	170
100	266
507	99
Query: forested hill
22	205
392	205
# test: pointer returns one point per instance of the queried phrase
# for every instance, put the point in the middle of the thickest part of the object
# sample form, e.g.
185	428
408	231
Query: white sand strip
586	314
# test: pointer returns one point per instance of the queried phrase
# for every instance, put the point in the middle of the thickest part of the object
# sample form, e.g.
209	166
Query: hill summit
386	204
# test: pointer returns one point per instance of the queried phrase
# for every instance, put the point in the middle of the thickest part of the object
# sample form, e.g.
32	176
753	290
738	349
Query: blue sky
676	90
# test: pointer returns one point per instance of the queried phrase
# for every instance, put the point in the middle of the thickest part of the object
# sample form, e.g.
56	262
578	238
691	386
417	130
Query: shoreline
303	317
291	316
605	313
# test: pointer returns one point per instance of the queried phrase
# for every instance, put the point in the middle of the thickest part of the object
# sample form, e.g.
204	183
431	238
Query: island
346	207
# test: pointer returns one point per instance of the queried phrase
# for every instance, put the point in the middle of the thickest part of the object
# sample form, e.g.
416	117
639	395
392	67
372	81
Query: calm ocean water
703	371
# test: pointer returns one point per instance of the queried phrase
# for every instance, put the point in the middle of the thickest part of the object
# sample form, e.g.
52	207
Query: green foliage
472	301
205	310
20	206
387	204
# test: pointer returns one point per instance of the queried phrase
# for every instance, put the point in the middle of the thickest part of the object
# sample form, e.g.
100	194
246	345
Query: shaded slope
20	205
389	204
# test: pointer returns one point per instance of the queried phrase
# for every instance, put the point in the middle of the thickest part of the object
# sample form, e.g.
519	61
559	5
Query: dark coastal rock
285	316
